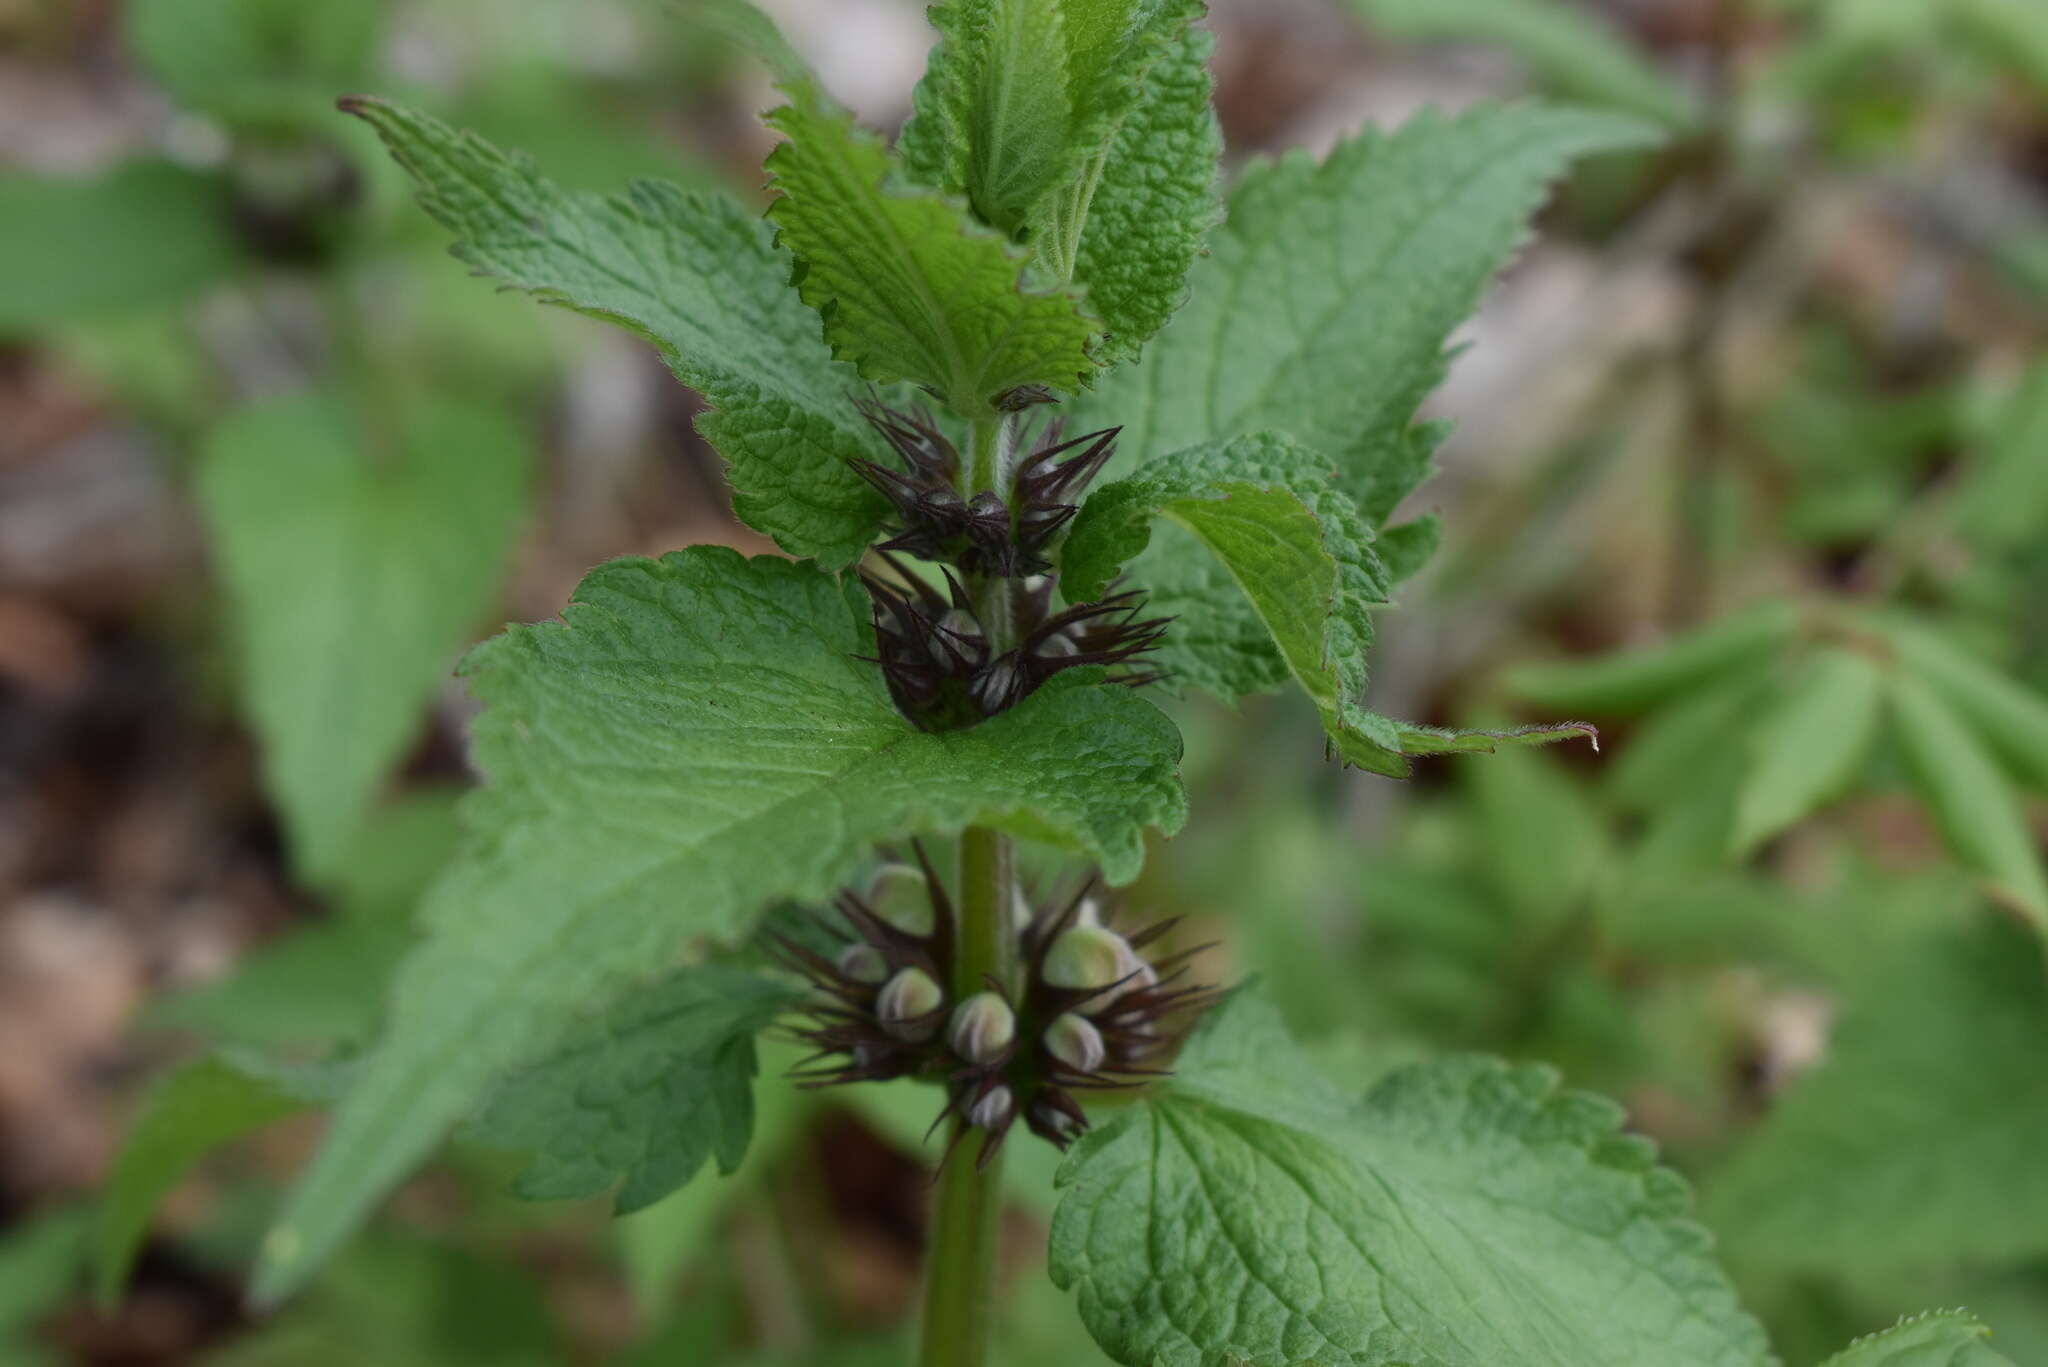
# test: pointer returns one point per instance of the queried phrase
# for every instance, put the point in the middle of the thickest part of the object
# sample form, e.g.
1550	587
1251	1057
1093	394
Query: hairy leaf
1571	51
359	548
700	277
1324	305
1979	814
909	287
697	738
1809	745
1939	1338
644	1093
1916	1142
1462	1214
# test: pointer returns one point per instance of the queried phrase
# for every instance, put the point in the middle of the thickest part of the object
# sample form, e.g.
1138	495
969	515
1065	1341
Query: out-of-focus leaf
1569	49
1976	808
2004	501
1632	681
1916	1142
1541	843
144	234
259	61
2010	718
359	544
1809	745
40	1262
1667	750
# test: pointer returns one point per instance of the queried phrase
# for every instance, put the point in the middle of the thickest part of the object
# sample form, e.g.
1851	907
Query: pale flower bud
908	1003
863	963
993	1110
901	897
1075	1042
983	1027
1086	957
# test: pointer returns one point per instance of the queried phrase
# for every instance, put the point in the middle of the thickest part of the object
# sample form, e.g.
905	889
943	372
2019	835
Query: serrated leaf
700	277
1462	1214
143	234
2009	717
185	1117
1572	52
1264	506
1324	305
358	551
1626	682
697	738
642	1095
1809	745
1939	1338
1916	1142
1979	814
909	287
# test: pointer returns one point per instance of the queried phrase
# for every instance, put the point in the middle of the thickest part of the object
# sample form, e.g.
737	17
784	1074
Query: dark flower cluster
1092	1013
941	668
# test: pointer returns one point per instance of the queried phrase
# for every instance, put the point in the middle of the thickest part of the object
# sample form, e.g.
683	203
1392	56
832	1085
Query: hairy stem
960	1258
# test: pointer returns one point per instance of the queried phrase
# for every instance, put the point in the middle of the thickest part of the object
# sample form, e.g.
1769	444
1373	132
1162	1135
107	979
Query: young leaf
1808	746
697	275
646	1092
1939	1338
2010	718
186	1116
1632	681
1264	507
356	559
1980	816
143	234
909	287
697	738
1917	1141
1573	53
1462	1214
1324	304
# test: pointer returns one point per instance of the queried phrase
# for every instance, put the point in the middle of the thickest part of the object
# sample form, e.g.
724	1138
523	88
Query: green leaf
255	60
1462	1214
1810	743
1979	814
1632	681
358	551
1939	1338
2003	501
2009	717
697	275
697	739
143	234
186	1116
1572	52
40	1262
642	1094
1265	508
909	287
1543	843
1324	305
1916	1143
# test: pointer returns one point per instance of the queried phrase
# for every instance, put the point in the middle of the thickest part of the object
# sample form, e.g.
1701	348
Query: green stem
960	1261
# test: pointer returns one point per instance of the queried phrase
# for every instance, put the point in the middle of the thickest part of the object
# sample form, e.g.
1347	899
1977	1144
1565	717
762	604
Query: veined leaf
1809	745
909	287
2011	719
1572	52
1940	1338
1462	1214
645	1092
1979	814
697	738
1916	1142
1631	681
357	560
697	275
1323	307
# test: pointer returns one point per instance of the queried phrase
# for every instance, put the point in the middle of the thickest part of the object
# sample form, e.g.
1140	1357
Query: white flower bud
901	897
1088	957
1075	1042
983	1027
908	1005
863	963
993	1110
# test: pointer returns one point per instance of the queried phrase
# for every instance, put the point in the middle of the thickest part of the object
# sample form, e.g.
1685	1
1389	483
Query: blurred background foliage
1750	468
